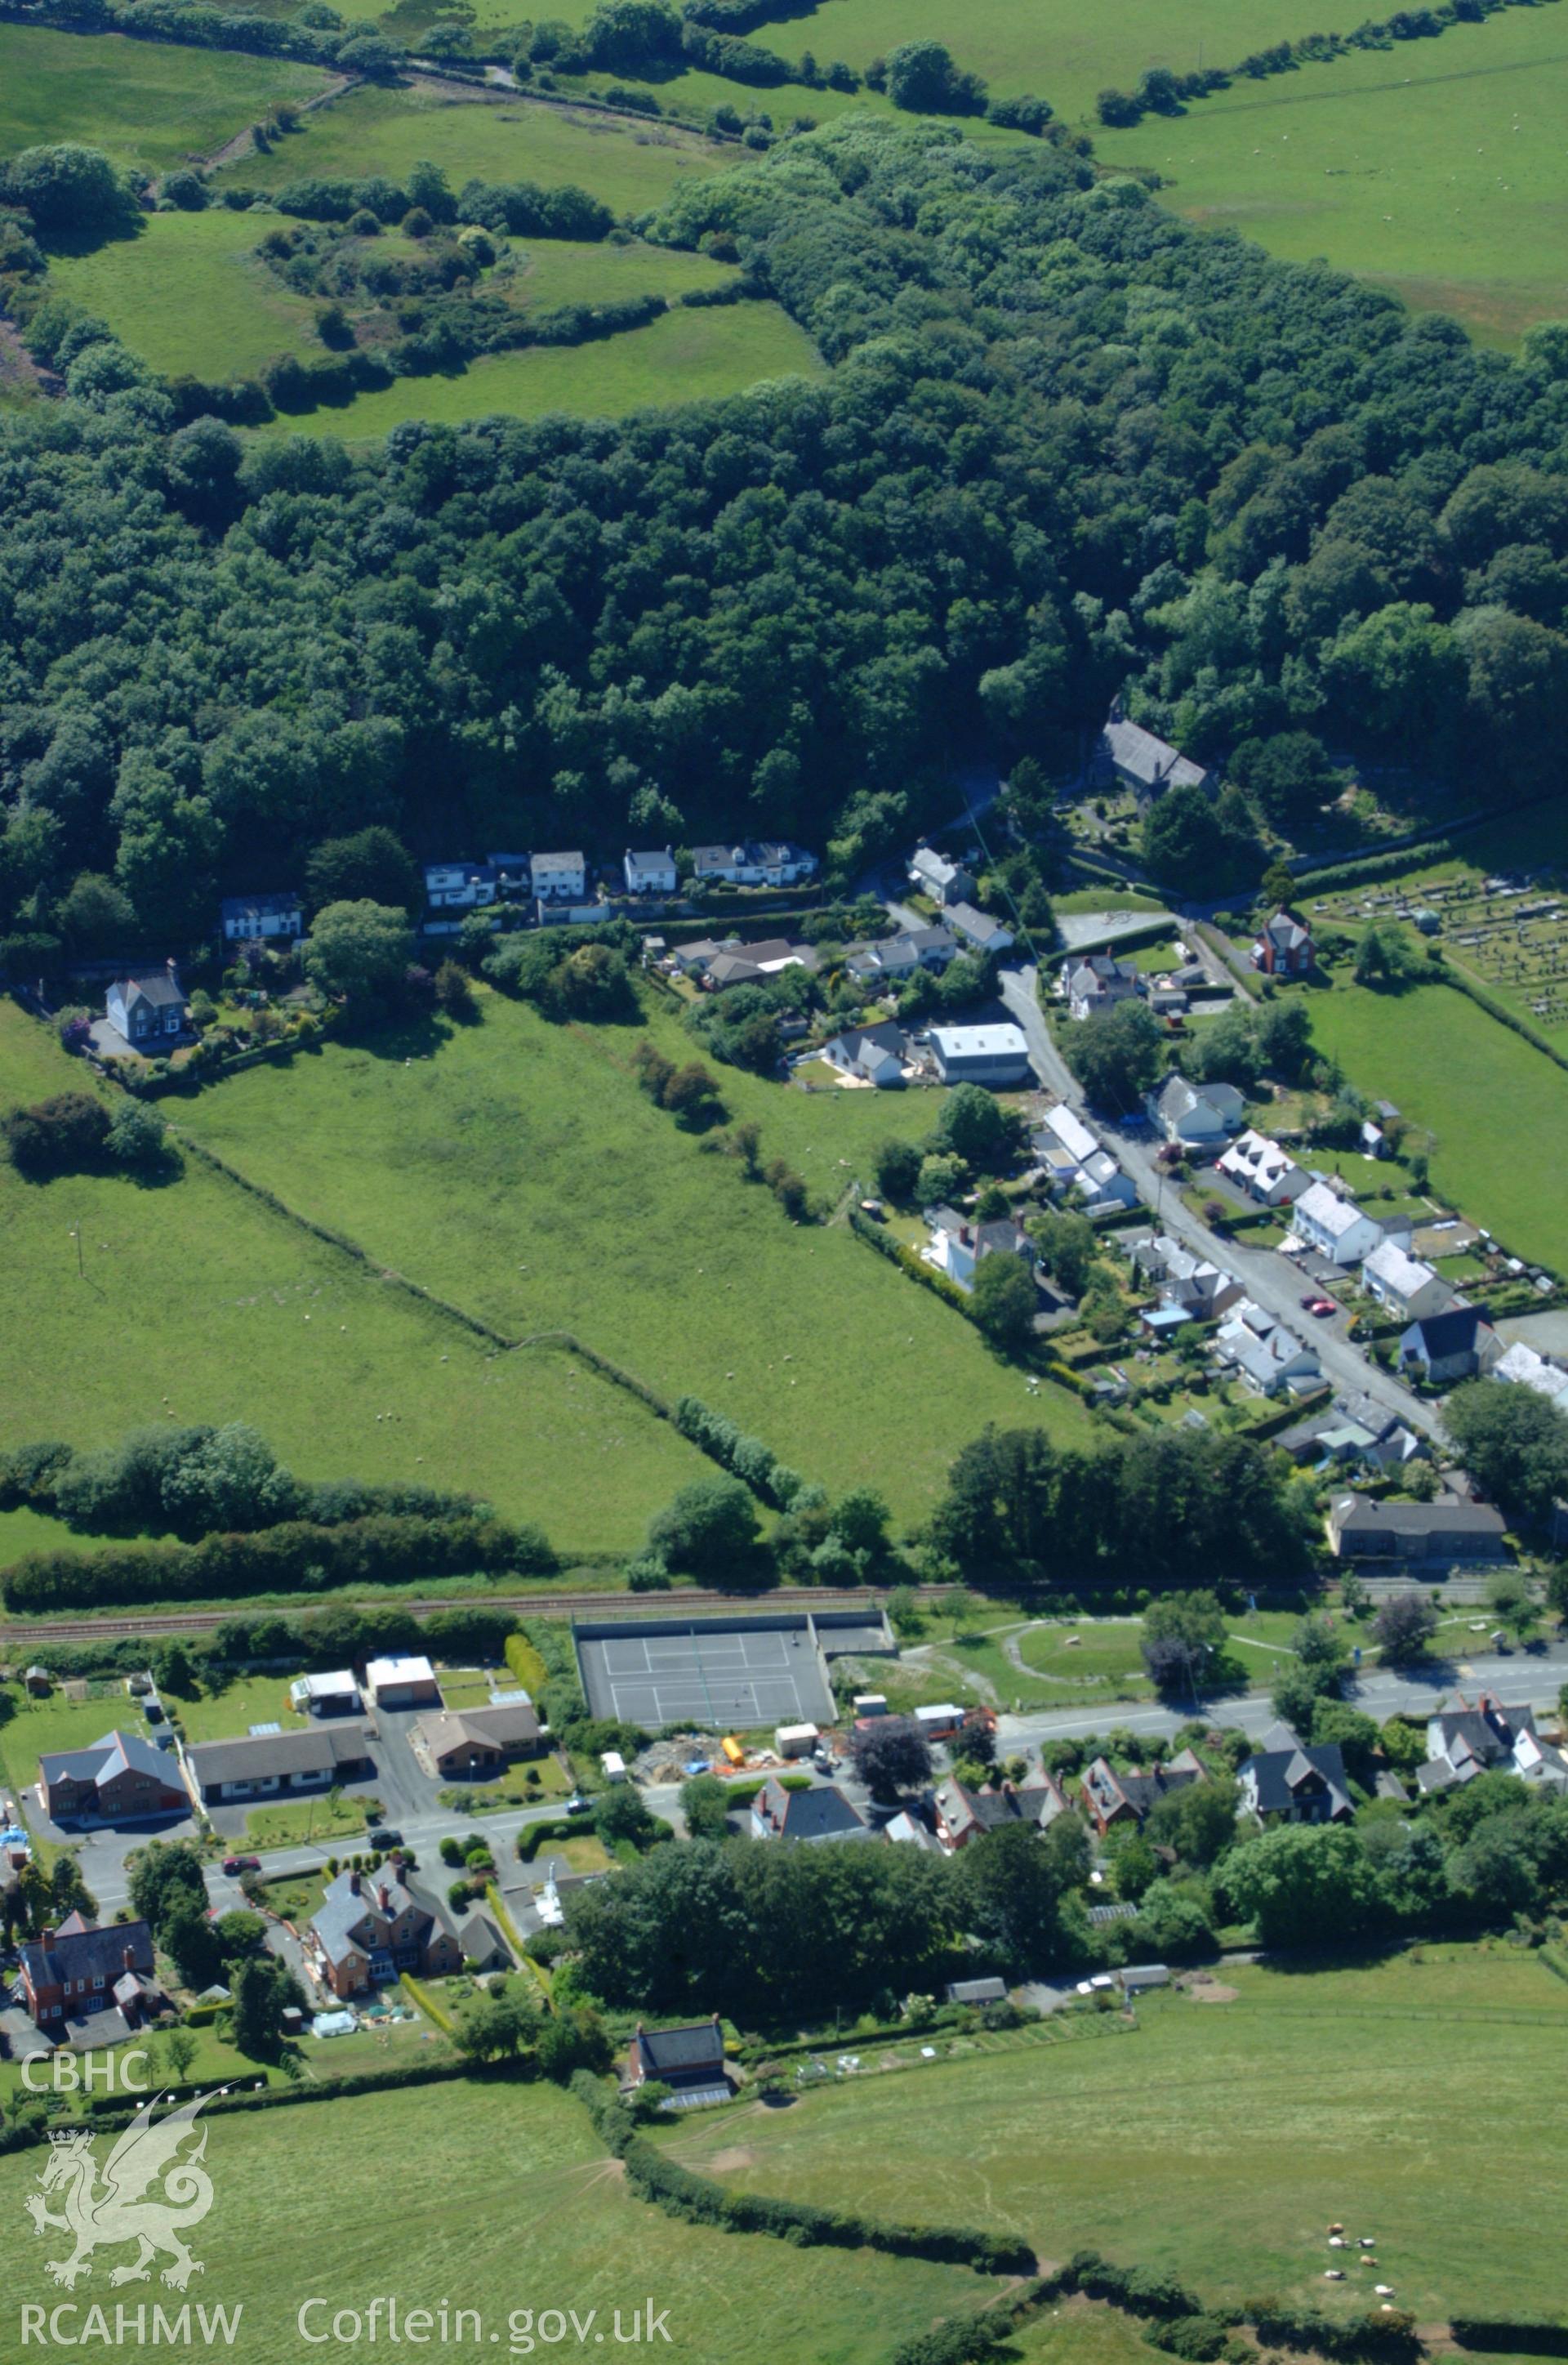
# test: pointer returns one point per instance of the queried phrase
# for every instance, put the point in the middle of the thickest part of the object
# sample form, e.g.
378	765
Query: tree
1005	1301
923	77
1511	1602
455	995
1198	1821
691	1094
708	1528
705	1803
95	916
179	2052
174	1669
939	1180
1175	1918
159	1875
1117	1055
361	950
974	1125
1386	960
138	1137
1009	1895
373	865
861	1519
61	1136
190	1941
1303	1884
1289	777
1067	1248
1322	1650
891	1754
497	2026
1357	1735
1514	1441
1404	1625
895	1166
67	188
1181	1632
1187	844
621	1814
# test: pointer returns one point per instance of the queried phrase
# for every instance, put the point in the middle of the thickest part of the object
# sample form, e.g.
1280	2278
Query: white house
874	1055
1402	1282
765	862
560	878
1262	1169
978	928
1195	1113
460	886
148	1009
650	874
1524	1368
981	1055
893	957
946	882
1334	1226
957	1245
1073	1159
1265	1355
1094	982
261	919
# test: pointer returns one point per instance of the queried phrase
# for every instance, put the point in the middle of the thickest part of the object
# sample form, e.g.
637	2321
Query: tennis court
716	1675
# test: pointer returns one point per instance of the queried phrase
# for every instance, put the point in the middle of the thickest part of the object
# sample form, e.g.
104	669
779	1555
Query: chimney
49	1934
383	1895
354	1884
127	1957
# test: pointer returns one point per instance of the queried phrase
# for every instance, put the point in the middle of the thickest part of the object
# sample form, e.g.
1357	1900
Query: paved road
1270	1280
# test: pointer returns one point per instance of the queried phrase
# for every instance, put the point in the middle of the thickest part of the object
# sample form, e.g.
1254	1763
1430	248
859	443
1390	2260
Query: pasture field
189	293
1436	167
368	131
520	1173
682	356
198	1283
583	271
1496	1109
1219	2141
415	2178
144	103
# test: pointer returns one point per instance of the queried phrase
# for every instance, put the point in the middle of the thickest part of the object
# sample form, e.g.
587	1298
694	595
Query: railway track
155	1625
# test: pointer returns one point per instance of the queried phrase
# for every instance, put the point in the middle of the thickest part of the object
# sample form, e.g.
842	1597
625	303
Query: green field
521	1174
1496	1109
37	1727
239	1315
682	356
369	131
1436	167
145	102
498	2199
1219	2141
189	294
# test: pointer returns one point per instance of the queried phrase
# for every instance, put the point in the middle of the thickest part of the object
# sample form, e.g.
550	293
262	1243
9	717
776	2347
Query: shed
796	1740
1139	1977
976	1990
613	1766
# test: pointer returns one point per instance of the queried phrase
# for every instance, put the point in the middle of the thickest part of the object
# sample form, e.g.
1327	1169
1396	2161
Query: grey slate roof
697	2046
822	1812
319	1749
1283	1764
80	1951
117	1753
1452	1333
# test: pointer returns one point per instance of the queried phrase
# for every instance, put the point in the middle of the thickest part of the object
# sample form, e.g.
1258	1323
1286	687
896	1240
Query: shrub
62	1135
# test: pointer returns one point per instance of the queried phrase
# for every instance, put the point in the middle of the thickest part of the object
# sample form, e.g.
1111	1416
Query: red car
1322	1306
234	1864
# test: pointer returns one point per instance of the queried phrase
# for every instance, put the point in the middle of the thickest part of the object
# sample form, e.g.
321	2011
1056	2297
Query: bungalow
875	1055
252	919
78	1969
148	1008
741	964
1284	946
402	1683
1464	1742
470	1745
120	1779
1128	757
370	1927
963	1814
900	957
1265	1354
1524	1368
1110	1799
690	2060
1195	1114
1330	1221
1288	1782
1403	1284
946	882
560	878
1073	1160
1454	1345
996	1055
1262	1171
272	1765
1095	982
460	886
978	928
768	862
650	874
1453	1532
810	1816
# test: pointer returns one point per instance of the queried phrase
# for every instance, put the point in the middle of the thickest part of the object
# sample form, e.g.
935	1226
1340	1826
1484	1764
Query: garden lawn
1436	167
1497	1109
228	1715
521	1174
681	356
144	103
200	1285
40	1726
409	2184
1219	2142
189	294
631	168
319	1821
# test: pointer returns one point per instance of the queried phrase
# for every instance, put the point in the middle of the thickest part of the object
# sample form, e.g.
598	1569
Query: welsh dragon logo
122	2206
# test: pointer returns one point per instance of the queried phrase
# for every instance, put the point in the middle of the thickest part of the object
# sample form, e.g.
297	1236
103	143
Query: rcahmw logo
148	2193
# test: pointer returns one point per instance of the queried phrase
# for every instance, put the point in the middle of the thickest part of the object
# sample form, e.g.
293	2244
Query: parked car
234	1864
1323	1306
577	1804
385	1839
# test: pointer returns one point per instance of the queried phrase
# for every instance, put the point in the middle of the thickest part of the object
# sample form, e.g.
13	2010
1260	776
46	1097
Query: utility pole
76	1236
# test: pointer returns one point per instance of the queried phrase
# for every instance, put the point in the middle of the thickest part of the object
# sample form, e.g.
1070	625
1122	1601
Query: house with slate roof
1452	1345
1330	1222
372	1927
1288	1782
1109	1798
261	919
148	1010
1126	756
1195	1114
1359	1529
1464	1742
80	1969
120	1779
1284	946
1261	1170
690	2059
892	958
1093	983
946	882
873	1055
963	1814
277	1764
765	862
820	1814
1408	1287
653	873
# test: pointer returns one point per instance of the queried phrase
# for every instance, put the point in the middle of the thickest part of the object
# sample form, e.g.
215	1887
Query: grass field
37	1726
1436	167
188	293
577	271
143	102
682	356
521	1173
1498	1110
386	131
499	2199
1219	2141
228	1714
208	1290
